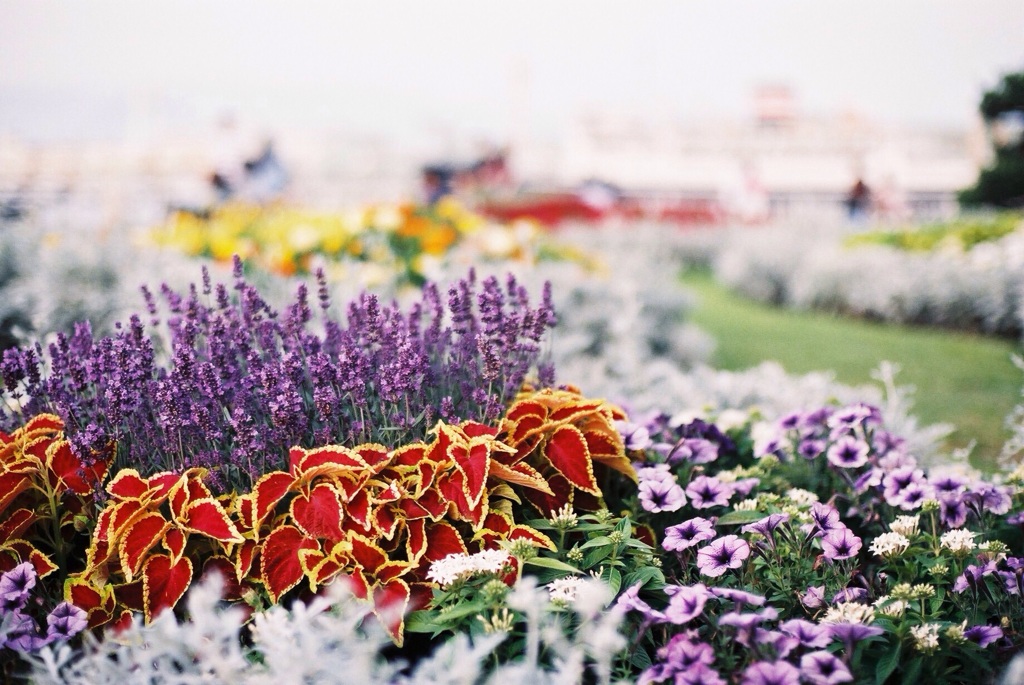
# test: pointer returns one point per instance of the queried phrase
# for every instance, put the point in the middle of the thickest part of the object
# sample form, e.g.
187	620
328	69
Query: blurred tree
1002	183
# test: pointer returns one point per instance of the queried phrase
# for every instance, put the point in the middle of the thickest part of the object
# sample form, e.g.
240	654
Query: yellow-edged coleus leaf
358	510
566	450
11	485
269	490
376	456
97	601
573	410
231	589
521	474
410	455
526	407
415	539
244	555
472	429
320	566
390	602
68	473
385	521
164	583
174	542
115	517
207	517
319	513
18	551
442	539
128	485
366	554
138	539
280	570
474	461
327	461
523	532
561	493
16	523
161	484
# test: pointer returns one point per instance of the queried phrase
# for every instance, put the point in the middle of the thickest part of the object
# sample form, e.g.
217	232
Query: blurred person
858	202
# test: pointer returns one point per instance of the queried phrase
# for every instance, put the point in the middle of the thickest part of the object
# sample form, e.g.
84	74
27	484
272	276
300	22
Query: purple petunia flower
852	633
896	480
791	421
972	575
780	644
995	499
952	510
65	621
848	452
840	543
850	594
635	436
810	448
766	526
771	673
661	495
687	534
694	451
700	675
814	597
722	554
630	601
983	635
686	604
855	415
809	634
16	586
738	596
705	492
824	668
825	516
912	496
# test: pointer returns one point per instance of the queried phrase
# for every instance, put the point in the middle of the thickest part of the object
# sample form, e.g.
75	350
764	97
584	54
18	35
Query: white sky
410	68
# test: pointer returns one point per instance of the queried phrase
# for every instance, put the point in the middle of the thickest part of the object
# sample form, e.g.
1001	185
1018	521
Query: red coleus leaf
268	491
366	554
434	503
539	539
280	569
174	542
207	517
390	602
561	494
12	485
66	471
115	516
161	483
245	554
520	473
138	539
385	521
567	451
358	509
164	583
20	551
16	523
409	455
355	581
320	567
474	461
319	514
526	408
47	423
97	602
576	409
222	566
415	540
327	461
376	456
472	429
443	539
128	485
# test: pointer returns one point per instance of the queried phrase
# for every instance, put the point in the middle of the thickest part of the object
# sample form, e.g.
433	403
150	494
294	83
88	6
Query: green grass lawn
962	379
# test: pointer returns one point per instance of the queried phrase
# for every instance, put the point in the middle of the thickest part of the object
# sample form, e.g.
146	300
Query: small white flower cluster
958	541
801	497
926	636
849	612
889	606
907	526
746	505
456	567
889	545
564	589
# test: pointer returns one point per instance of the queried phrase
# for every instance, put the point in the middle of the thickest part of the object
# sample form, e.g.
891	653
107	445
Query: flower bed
424	462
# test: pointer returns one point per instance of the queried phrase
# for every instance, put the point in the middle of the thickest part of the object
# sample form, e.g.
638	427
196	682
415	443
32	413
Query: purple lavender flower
824	668
722	554
687	534
848	452
809	634
840	543
686	604
16	586
705	492
983	635
771	673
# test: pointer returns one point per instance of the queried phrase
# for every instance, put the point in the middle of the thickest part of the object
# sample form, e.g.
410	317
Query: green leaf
641	659
554	564
887	664
645	575
595	556
736	518
913	671
423	621
597	542
613	577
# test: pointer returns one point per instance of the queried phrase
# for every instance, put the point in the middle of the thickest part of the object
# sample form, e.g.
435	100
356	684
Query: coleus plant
375	516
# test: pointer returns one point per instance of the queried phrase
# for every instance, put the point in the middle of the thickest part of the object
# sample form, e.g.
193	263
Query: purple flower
65	621
699	675
810	448
840	543
912	496
791	421
952	510
814	597
686	604
630	601
809	634
850	594
661	495
695	451
634	435
848	452
722	554
825	516
738	596
896	480
771	673
16	586
779	643
824	668
683	653
852	633
855	415
983	635
705	492
687	534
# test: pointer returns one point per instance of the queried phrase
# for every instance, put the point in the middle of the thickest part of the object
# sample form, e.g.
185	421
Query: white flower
746	505
801	497
564	589
455	567
890	545
731	418
891	607
926	636
906	526
958	541
849	612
